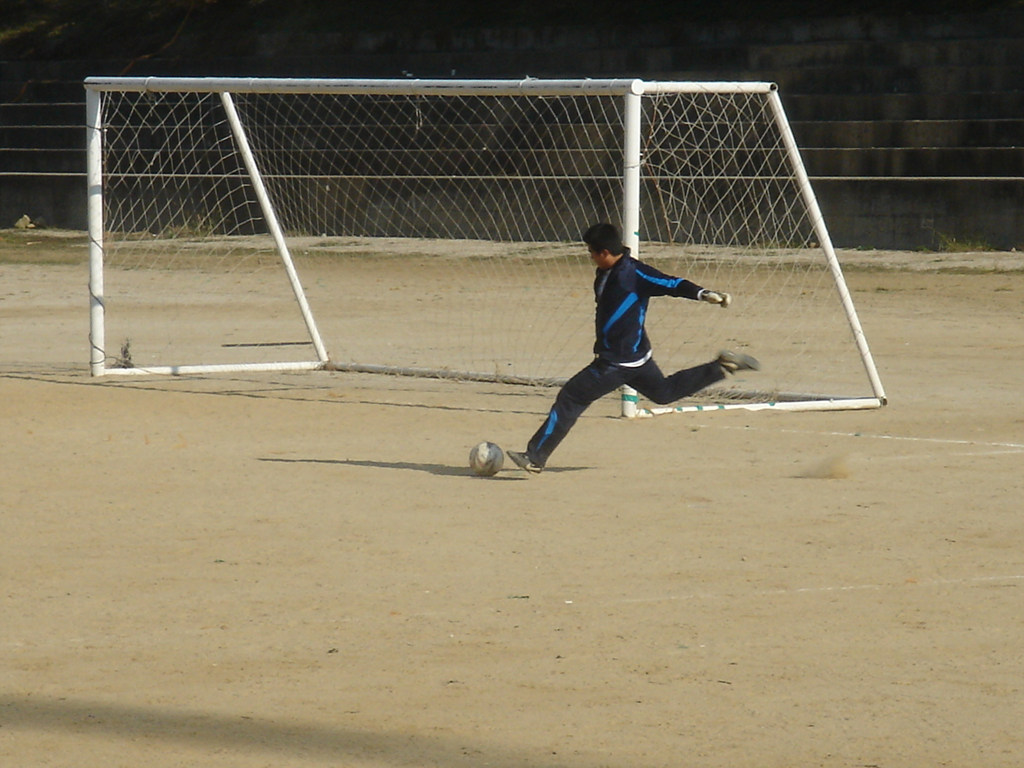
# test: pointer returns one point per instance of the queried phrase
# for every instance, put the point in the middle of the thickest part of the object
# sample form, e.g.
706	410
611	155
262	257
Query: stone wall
911	128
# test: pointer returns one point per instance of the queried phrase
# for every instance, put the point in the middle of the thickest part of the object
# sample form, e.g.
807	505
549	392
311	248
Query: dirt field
298	570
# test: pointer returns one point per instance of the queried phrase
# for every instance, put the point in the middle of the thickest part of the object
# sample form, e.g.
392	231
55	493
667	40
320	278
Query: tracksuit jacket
622	294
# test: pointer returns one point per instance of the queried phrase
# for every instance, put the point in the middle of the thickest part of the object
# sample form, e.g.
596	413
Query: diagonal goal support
267	207
431	227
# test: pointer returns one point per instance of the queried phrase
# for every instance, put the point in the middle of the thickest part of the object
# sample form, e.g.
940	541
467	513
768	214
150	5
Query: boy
622	352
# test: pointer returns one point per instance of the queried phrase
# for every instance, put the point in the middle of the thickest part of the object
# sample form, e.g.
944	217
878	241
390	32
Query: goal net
433	228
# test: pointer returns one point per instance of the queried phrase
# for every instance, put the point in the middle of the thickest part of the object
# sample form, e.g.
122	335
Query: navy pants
599	379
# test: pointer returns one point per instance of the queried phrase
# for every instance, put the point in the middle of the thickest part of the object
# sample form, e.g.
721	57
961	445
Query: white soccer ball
486	459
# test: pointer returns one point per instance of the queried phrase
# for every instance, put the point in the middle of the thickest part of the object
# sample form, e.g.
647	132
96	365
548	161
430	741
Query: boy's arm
654	283
657	283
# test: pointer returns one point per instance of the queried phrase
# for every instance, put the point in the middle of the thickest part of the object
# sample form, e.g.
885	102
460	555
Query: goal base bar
444	373
318	365
832	404
198	370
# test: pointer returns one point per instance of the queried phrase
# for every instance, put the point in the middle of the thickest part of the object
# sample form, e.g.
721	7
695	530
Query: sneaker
737	361
521	460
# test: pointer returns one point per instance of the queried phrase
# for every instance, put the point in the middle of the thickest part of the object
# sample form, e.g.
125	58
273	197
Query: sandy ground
298	569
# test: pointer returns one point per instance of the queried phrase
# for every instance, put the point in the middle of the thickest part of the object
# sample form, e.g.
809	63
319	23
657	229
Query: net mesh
442	233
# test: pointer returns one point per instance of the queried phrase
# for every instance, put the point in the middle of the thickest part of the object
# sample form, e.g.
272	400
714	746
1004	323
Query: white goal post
432	227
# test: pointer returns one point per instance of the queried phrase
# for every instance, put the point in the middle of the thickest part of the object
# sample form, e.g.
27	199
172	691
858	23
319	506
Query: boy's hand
721	298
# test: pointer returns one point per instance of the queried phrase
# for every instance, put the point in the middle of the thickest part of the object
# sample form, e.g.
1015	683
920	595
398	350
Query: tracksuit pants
601	378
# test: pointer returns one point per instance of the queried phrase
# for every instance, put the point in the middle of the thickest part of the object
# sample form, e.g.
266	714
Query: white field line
970	581
1009	447
972	454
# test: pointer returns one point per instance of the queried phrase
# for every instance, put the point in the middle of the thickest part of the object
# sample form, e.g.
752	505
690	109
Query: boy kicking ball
623	287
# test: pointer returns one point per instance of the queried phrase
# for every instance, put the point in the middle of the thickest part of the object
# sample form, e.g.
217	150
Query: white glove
721	298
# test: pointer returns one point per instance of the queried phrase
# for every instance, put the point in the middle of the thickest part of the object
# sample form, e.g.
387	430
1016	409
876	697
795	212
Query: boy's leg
650	382
593	382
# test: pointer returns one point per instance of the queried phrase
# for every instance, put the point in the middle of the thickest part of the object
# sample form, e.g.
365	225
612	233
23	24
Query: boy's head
604	237
605	244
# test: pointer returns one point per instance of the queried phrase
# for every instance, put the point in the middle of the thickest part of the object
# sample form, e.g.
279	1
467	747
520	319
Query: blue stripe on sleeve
662	281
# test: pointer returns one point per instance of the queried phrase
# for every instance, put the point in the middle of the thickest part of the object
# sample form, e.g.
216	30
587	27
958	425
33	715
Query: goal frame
631	90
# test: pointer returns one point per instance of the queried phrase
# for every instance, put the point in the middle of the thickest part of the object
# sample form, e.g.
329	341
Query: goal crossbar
426	87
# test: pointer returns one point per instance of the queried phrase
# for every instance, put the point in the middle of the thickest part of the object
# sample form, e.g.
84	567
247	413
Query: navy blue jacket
622	294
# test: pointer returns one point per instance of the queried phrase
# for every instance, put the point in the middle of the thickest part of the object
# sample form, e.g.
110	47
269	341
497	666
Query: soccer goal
432	227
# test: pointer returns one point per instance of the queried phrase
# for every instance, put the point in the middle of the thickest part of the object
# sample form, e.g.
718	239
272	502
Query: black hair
604	237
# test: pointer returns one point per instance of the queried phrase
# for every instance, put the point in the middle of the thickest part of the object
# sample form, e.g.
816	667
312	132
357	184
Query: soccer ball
486	459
